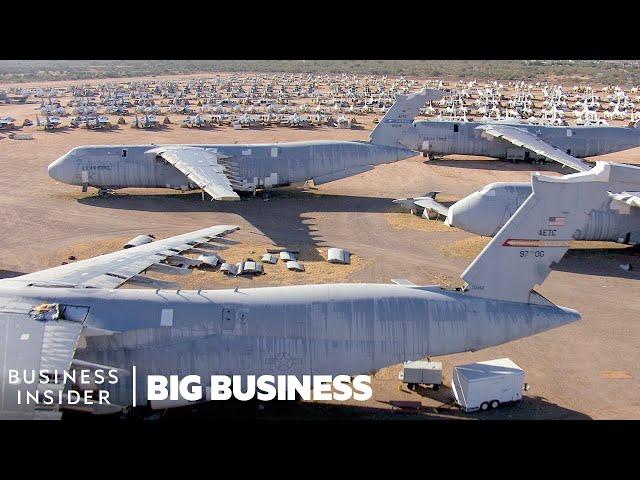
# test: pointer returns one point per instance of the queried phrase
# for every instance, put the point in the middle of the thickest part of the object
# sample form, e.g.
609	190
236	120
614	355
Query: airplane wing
202	168
45	337
430	204
113	269
630	198
522	138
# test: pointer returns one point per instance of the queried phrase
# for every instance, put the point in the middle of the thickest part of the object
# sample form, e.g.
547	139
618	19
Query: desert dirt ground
590	369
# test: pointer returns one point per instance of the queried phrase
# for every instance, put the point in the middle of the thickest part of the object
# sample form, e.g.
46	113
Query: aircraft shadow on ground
497	164
58	130
603	262
286	219
530	408
10	274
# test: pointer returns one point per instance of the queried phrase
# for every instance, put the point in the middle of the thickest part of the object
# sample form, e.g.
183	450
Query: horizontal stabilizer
630	198
428	203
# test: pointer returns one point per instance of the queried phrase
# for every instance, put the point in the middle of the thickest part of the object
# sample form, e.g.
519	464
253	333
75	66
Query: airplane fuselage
439	137
485	212
296	330
253	165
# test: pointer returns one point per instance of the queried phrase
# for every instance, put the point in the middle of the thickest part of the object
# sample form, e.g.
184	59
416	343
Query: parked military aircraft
618	220
146	121
223	170
49	122
486	211
72	316
518	141
7	123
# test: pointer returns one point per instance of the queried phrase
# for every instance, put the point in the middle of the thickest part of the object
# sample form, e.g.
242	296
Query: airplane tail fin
520	255
398	119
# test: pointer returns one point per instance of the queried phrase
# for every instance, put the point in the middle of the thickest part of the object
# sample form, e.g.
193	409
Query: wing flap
202	168
524	139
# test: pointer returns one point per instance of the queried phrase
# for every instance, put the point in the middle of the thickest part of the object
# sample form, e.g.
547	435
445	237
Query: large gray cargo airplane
73	316
223	171
518	141
485	212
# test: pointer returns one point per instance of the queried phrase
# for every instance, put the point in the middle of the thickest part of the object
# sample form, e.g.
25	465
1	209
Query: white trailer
484	385
421	373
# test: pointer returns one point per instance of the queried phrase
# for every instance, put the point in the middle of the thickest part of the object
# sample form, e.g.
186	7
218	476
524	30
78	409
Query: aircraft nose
458	214
57	170
478	214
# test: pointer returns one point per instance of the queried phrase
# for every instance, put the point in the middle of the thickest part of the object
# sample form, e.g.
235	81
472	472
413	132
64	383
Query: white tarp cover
339	255
211	259
229	268
251	266
269	258
295	266
287	256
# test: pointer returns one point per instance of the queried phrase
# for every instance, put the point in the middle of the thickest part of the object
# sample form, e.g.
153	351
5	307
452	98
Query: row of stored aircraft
74	315
226	171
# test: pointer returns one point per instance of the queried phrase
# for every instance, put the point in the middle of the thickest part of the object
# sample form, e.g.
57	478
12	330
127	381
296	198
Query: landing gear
103	192
431	156
414	386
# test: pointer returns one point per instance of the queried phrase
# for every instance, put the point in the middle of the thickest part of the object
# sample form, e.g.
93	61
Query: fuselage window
455	128
124	153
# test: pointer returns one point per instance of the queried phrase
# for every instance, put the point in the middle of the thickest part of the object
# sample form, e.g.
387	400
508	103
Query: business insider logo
45	387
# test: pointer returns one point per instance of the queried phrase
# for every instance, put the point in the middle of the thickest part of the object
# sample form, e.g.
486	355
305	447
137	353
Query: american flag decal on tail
557	221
